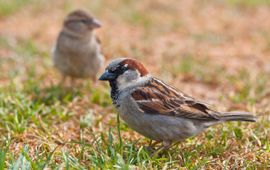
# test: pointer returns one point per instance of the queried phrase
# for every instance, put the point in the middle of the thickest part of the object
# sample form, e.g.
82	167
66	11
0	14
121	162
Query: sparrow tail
238	116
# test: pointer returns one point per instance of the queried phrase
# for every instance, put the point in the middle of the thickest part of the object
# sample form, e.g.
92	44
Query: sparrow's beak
107	76
95	23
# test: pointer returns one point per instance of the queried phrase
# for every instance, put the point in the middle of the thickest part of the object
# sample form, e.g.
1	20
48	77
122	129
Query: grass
248	3
250	89
7	7
47	126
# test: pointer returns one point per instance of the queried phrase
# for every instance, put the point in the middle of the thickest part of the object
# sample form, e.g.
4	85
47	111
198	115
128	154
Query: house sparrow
77	50
156	109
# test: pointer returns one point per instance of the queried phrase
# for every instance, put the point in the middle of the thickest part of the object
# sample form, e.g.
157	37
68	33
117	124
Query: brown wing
157	97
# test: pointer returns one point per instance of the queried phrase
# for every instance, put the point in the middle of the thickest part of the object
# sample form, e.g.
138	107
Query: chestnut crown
131	68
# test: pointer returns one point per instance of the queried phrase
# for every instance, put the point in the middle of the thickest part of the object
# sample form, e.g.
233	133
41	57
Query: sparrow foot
166	145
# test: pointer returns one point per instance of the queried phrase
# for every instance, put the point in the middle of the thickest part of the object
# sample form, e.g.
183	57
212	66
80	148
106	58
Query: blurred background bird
77	52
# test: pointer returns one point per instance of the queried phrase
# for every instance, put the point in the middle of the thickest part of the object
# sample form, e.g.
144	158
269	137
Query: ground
218	51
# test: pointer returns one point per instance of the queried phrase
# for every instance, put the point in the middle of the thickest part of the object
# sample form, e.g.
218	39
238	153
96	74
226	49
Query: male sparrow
156	109
77	50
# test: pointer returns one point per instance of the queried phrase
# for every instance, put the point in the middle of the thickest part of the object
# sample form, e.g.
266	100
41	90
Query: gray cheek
121	79
127	77
131	75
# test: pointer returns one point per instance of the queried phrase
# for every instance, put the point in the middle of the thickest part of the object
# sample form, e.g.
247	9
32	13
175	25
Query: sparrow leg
63	80
72	82
151	146
150	142
166	145
176	143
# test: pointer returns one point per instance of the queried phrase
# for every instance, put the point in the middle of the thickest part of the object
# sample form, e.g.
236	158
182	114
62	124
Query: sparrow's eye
118	69
85	21
112	70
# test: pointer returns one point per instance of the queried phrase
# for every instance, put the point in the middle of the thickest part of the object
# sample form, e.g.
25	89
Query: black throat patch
114	92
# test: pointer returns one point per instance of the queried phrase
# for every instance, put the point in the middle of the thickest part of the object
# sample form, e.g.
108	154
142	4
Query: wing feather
156	97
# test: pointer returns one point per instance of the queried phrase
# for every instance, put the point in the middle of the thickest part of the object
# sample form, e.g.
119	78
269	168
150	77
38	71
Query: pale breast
77	58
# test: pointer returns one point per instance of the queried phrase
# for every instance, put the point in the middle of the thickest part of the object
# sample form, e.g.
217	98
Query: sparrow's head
80	21
124	72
